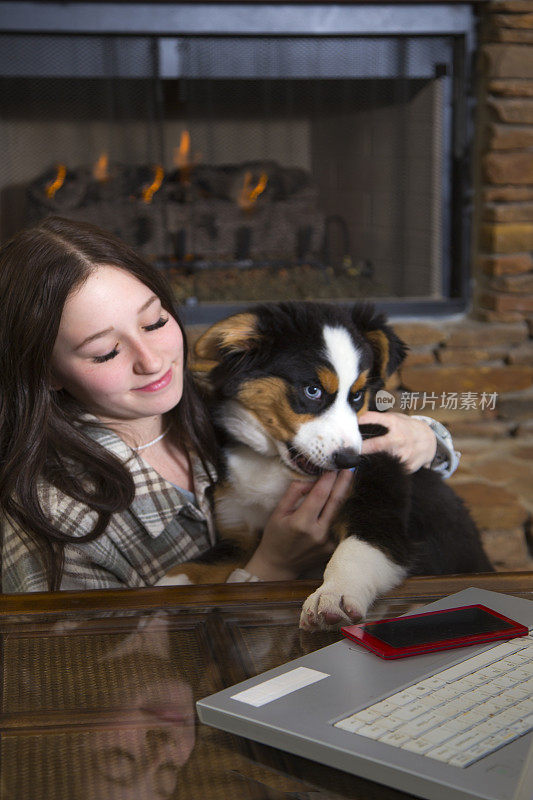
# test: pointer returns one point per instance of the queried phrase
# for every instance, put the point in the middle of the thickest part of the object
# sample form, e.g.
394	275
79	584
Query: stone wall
477	379
504	192
496	472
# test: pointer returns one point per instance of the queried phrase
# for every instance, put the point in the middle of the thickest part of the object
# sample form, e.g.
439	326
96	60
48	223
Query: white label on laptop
278	687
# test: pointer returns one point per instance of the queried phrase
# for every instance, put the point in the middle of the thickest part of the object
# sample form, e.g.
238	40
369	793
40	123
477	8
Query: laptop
307	707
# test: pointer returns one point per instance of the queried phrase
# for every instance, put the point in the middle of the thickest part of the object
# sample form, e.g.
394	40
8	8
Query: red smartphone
434	630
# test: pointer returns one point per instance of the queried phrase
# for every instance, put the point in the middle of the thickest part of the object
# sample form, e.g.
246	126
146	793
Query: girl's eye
159	324
112	354
313	392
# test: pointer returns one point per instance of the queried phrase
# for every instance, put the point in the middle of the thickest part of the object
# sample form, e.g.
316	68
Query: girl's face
118	352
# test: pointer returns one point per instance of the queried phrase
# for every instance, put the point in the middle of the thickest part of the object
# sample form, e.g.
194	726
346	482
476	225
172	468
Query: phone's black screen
453	624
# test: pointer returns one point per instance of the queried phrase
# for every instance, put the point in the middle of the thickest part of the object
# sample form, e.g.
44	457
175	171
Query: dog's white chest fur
256	484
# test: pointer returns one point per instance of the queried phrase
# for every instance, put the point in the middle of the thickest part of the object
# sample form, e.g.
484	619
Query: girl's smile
157	385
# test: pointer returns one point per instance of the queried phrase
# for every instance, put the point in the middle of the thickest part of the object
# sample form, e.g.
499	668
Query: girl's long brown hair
40	433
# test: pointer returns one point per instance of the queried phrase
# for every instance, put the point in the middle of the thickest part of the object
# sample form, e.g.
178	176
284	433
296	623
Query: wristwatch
446	458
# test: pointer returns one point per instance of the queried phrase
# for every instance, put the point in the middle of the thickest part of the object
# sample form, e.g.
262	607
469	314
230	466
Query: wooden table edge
244	593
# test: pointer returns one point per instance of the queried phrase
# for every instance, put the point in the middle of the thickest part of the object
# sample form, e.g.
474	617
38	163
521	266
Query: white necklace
157	439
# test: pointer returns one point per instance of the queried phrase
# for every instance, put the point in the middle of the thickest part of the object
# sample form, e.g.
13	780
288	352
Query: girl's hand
411	440
296	537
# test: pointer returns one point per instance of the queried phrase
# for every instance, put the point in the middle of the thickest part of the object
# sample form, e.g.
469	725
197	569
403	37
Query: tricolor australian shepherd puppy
288	382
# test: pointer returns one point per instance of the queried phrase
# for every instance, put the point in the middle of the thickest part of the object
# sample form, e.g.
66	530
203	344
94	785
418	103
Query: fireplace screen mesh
249	168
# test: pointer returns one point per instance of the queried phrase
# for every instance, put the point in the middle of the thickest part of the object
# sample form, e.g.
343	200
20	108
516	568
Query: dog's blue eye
357	397
313	392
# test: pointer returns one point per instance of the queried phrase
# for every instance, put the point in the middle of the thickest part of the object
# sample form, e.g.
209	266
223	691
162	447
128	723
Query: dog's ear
236	334
389	350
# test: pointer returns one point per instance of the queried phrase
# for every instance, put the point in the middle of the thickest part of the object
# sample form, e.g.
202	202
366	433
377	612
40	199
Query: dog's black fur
417	518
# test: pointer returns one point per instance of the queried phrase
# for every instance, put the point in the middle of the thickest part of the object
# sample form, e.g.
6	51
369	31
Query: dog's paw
329	607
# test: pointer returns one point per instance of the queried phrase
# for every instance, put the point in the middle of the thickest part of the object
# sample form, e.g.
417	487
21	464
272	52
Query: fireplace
255	152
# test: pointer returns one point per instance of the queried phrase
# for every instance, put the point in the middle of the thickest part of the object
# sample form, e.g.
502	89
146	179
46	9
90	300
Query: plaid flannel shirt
161	528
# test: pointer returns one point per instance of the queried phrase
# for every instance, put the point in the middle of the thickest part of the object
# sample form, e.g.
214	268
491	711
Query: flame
54	186
248	196
101	168
183	152
149	191
182	157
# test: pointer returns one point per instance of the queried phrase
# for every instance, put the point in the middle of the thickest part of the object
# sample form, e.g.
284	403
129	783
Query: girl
107	453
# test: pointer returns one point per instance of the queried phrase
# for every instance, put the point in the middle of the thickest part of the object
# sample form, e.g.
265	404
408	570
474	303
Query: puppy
288	382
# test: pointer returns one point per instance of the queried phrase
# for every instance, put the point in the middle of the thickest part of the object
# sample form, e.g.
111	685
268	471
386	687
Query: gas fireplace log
255	211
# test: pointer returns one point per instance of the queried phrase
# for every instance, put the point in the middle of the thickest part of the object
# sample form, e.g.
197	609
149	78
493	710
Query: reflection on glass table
99	690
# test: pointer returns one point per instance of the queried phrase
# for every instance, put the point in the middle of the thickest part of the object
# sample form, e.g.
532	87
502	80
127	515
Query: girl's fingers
293	495
371	416
317	498
321	504
316	502
377	444
339	493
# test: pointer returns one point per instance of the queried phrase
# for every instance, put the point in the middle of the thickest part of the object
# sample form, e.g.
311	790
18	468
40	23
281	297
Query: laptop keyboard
461	714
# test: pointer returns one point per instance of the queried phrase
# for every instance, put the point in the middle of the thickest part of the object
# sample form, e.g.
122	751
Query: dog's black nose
346	458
